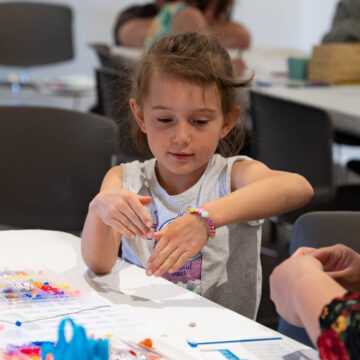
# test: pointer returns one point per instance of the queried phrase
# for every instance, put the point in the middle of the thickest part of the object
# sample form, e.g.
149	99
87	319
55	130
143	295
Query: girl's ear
138	114
230	120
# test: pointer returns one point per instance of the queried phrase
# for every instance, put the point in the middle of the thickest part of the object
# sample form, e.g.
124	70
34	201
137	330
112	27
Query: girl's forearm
264	198
98	246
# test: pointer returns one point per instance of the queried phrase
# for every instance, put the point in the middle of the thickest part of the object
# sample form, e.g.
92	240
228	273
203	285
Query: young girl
183	101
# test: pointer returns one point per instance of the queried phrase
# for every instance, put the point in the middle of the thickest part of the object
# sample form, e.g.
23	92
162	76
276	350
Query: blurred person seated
132	24
319	289
346	23
211	17
230	33
204	16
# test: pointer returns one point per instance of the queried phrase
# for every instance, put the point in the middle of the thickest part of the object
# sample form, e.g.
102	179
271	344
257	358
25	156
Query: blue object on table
195	344
262	83
80	347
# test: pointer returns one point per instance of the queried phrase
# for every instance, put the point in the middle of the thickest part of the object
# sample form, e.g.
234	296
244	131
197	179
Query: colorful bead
204	214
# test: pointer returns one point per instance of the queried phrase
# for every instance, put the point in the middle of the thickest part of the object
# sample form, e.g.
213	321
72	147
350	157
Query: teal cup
297	68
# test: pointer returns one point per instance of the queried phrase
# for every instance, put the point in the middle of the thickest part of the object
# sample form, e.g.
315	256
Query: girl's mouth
181	155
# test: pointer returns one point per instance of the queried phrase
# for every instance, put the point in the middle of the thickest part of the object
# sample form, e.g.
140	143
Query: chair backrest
326	228
296	138
103	53
112	61
113	91
320	229
35	33
52	164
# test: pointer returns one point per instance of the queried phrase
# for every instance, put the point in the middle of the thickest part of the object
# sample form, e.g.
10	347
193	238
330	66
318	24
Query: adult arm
231	34
300	289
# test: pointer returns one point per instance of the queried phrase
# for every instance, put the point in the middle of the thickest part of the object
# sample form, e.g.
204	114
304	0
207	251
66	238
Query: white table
341	102
166	307
81	99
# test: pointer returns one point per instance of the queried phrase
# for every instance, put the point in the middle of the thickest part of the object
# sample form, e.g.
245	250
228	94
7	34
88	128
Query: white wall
272	23
298	24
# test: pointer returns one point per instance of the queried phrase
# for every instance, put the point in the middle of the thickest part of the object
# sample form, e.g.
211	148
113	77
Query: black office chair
113	87
52	164
112	61
298	138
103	54
319	229
354	165
34	34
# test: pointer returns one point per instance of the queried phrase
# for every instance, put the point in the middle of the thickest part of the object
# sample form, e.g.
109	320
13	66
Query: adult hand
342	264
182	239
289	279
124	211
303	251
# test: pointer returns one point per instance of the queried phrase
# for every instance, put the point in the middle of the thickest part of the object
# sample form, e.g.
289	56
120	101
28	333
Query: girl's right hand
124	211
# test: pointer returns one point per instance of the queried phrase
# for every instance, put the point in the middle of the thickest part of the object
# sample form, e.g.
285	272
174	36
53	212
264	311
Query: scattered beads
147	342
18	286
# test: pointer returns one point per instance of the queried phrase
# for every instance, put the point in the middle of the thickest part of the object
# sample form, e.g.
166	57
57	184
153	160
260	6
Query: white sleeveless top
227	270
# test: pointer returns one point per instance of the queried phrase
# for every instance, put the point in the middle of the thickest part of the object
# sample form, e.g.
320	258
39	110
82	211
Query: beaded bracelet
204	214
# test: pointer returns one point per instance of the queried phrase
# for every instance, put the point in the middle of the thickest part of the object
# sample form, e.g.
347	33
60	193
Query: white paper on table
261	350
40	321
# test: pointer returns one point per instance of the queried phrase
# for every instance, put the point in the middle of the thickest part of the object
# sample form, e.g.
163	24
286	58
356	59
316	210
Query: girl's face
183	122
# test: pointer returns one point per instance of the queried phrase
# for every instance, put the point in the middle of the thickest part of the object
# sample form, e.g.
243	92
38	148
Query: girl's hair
197	59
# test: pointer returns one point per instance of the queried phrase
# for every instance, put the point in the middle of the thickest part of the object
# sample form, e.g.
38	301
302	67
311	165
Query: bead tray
25	286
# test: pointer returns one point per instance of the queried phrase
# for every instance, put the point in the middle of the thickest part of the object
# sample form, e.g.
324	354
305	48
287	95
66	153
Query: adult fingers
331	258
347	278
303	251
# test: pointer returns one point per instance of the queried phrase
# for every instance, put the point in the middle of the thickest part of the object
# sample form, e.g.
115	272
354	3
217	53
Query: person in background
189	215
346	23
132	24
210	17
319	289
204	16
231	34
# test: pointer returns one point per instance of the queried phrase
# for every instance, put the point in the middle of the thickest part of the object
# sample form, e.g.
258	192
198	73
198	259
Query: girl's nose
182	133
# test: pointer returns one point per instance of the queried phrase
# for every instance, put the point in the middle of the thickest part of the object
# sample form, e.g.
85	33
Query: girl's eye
200	122
164	120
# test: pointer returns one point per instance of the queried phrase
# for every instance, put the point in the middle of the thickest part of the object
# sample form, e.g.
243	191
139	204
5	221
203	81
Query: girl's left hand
182	239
